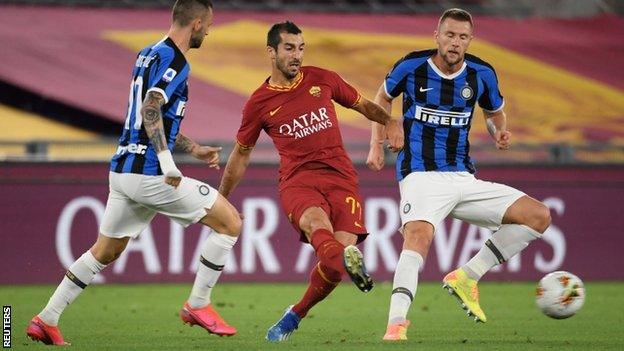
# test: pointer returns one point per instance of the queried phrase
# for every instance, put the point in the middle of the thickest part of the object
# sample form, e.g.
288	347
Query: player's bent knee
231	224
234	225
540	218
108	252
314	219
418	236
109	256
317	224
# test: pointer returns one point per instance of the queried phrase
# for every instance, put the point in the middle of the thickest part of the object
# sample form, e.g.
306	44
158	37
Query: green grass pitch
145	317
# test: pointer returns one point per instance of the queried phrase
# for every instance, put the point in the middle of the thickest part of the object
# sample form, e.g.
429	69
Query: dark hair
456	14
273	37
184	11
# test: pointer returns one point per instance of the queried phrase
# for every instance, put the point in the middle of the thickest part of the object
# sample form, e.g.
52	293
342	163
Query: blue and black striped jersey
162	68
438	110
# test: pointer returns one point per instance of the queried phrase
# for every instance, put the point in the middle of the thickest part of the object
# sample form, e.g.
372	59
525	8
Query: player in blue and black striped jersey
162	69
144	180
441	88
438	110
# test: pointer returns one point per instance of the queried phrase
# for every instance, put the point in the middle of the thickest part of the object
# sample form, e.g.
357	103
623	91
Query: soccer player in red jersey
318	185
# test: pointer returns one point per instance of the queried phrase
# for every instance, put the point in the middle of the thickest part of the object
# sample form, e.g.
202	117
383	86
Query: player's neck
279	79
181	38
444	67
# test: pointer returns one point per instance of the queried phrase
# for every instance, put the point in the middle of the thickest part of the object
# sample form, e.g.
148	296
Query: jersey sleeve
342	92
250	127
394	84
168	73
491	100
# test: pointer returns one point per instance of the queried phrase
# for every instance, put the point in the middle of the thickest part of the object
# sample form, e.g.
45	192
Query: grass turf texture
145	317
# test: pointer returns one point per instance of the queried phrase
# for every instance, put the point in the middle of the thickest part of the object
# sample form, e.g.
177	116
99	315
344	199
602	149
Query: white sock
78	276
404	285
503	245
213	257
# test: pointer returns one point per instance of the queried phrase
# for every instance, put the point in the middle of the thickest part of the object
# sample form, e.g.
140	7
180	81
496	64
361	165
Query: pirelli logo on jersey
442	118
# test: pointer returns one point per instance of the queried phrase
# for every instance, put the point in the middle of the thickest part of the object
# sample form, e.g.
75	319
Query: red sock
323	280
328	250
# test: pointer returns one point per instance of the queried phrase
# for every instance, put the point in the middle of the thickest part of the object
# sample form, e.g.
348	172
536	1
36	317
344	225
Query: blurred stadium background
64	72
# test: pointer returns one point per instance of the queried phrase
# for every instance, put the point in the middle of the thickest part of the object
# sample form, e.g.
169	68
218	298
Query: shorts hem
117	236
501	215
421	219
205	207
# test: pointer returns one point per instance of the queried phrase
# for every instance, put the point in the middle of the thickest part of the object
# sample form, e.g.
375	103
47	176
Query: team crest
315	91
466	92
407	208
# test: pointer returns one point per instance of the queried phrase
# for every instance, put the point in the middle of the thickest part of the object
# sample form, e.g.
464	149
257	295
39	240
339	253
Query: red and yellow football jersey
301	120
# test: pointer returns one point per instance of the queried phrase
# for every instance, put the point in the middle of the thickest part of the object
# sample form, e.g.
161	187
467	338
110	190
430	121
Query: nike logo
357	224
423	90
271	113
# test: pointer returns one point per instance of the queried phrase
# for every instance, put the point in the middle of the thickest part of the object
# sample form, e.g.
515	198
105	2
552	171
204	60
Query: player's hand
173	181
394	132
208	154
173	177
502	139
172	174
375	159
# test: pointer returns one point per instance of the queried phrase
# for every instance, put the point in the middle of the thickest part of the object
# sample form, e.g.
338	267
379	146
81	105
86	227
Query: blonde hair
456	14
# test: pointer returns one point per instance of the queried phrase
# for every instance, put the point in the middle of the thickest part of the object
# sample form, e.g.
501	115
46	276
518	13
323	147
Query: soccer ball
560	294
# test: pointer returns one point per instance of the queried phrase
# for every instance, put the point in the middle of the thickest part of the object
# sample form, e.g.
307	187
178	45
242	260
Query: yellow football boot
465	290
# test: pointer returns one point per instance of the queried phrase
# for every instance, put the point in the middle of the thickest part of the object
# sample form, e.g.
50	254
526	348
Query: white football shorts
134	200
432	196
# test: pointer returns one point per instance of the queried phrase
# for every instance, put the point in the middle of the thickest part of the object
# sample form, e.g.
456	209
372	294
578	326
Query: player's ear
197	23
271	51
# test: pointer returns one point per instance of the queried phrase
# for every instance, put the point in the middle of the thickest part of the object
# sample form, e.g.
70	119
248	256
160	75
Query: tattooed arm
185	144
152	120
153	123
208	154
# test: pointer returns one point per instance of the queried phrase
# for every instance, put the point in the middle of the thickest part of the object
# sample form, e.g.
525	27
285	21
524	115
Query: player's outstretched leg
532	218
504	244
354	265
44	326
285	326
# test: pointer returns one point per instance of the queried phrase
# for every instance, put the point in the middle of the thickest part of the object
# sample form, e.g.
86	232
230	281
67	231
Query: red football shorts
330	190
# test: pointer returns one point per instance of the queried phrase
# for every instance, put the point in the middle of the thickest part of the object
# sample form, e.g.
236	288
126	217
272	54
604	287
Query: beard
450	61
196	40
288	71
